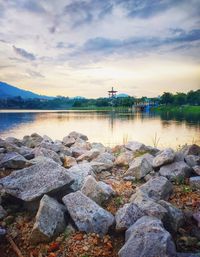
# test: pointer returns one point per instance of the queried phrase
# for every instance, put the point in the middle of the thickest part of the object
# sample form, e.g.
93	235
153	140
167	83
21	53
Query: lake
109	128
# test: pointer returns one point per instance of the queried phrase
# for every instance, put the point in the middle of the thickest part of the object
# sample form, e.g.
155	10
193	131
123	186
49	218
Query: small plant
118	201
85	255
156	140
180	180
125	139
186	189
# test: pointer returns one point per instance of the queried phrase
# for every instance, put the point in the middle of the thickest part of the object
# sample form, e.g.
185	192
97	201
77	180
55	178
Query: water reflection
109	128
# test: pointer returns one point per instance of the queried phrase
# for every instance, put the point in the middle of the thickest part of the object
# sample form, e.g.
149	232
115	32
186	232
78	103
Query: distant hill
8	91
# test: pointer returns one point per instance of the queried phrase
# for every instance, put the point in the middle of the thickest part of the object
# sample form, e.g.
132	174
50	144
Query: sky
84	47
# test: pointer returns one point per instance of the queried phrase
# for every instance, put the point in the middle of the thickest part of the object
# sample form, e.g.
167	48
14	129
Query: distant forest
191	98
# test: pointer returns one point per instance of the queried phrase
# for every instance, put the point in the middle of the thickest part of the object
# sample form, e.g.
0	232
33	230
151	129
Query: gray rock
164	157
39	151
174	218
124	158
191	150
188	255
147	238
56	147
3	213
26	152
14	141
127	216
68	141
86	214
77	135
33	182
135	146
97	191
140	166
50	220
129	178
89	155
32	141
175	171
106	158
148	205
2	150
77	151
196	216
98	167
13	160
79	173
157	188
47	139
99	146
2	234
195	182
192	160
196	169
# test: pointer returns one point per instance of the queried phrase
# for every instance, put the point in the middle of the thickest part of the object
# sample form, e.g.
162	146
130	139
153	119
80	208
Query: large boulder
50	220
147	237
106	158
174	218
99	146
40	151
97	191
79	173
191	150
32	183
196	169
158	188
32	141
127	216
135	147
99	167
68	141
148	206
14	141
192	160
86	214
195	182
89	155
13	160
140	166
175	171
164	157
3	212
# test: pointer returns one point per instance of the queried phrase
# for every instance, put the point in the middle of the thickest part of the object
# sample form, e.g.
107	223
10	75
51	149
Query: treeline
191	98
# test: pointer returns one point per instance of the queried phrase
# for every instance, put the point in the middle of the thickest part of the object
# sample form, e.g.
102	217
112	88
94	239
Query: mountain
8	91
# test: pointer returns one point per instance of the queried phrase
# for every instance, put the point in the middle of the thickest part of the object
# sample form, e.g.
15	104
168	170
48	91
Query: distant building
112	93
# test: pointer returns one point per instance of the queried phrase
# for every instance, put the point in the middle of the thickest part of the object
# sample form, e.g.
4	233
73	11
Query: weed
118	201
156	140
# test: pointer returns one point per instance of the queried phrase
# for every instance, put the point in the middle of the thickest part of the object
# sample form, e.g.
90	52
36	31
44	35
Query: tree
167	98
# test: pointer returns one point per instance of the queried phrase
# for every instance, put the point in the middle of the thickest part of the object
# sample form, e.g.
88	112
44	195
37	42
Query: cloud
29	5
34	74
23	53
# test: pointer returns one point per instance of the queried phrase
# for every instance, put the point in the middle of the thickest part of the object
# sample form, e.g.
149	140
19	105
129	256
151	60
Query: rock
124	158
98	167
39	151
32	141
147	237
175	171
13	160
174	218
50	220
68	141
135	146
97	191
8	147
2	234
196	216
147	177
106	158
79	173
127	216
26	152
140	166
14	141
89	155
47	139
2	150
77	135
76	151
3	213
69	161
164	157
55	147
192	160
99	146
86	214
129	178
187	255
191	150
196	169
33	182
148	205
194	182
157	188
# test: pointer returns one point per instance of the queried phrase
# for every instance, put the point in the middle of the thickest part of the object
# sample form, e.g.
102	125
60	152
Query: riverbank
73	198
181	109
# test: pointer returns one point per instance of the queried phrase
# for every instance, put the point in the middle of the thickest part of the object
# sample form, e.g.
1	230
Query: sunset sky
72	47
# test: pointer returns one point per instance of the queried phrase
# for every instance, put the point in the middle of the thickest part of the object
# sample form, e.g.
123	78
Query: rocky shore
73	198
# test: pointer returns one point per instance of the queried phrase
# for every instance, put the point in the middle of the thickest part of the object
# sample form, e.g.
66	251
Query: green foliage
118	201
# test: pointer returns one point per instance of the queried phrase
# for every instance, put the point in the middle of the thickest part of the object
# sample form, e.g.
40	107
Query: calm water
106	127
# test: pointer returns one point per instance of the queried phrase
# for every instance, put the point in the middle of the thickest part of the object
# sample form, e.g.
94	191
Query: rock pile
67	182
